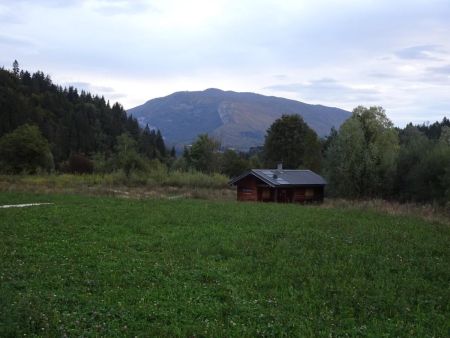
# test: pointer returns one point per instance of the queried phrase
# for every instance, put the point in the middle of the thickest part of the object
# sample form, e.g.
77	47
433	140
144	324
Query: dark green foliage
433	131
290	141
233	164
15	68
328	141
75	123
159	144
423	167
72	122
203	155
368	157
109	267
25	150
147	143
433	171
151	144
127	157
361	158
413	147
80	164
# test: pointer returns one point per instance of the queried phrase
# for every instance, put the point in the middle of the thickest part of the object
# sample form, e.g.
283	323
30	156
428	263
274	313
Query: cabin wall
247	189
252	189
308	194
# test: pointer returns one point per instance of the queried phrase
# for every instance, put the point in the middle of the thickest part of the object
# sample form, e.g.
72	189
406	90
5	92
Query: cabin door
285	195
264	194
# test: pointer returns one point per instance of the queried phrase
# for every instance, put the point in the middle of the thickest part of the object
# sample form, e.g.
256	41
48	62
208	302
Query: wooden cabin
279	185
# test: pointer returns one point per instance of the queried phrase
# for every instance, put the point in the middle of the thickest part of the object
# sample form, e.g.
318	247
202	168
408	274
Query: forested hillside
72	122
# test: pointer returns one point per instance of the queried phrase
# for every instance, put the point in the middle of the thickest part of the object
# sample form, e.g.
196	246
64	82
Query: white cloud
425	52
330	90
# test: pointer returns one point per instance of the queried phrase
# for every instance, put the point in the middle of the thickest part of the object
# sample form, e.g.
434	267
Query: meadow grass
172	184
103	266
189	179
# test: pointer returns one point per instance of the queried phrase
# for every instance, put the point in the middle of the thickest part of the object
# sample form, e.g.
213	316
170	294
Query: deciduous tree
203	155
361	160
291	141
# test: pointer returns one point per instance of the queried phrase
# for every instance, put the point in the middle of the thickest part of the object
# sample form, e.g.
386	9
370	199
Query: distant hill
238	120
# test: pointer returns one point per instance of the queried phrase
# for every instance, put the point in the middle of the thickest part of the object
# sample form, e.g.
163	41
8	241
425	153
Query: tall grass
191	179
429	212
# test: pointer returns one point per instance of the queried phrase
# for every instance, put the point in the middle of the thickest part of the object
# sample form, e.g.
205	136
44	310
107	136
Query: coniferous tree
71	121
173	153
160	146
146	143
16	68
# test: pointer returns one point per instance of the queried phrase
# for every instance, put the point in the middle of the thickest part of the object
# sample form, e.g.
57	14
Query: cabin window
309	192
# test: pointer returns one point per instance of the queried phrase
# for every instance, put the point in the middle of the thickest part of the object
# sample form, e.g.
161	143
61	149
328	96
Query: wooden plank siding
308	194
251	188
247	190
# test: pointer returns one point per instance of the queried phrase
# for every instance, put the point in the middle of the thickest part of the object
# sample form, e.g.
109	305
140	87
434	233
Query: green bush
25	150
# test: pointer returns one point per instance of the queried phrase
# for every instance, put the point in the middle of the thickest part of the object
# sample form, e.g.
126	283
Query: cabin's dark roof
283	177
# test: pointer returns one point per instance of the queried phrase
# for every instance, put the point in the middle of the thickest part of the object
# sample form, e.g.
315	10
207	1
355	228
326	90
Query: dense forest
368	157
78	126
45	127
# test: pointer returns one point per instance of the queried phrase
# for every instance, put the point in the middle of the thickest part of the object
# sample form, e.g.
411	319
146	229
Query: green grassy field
103	266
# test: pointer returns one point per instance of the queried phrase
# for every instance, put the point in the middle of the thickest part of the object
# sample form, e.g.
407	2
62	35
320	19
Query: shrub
25	150
80	164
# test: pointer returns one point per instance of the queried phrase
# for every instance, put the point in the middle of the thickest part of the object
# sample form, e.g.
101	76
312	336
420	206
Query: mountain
238	120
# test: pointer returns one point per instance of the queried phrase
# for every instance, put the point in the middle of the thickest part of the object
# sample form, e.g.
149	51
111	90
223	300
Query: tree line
366	158
45	127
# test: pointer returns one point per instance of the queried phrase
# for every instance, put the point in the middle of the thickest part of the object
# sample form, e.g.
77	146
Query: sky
394	54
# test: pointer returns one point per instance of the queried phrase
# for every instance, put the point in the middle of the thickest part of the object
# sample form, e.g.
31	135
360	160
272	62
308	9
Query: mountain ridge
237	119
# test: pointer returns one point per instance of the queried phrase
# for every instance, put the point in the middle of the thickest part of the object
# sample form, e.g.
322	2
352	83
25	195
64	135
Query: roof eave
250	172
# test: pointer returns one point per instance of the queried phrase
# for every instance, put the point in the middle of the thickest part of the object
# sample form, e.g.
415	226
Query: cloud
443	70
88	87
422	52
437	75
121	7
7	15
47	3
381	75
96	90
280	76
328	89
106	7
15	41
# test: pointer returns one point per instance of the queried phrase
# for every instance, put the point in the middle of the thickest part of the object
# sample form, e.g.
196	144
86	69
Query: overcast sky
338	53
